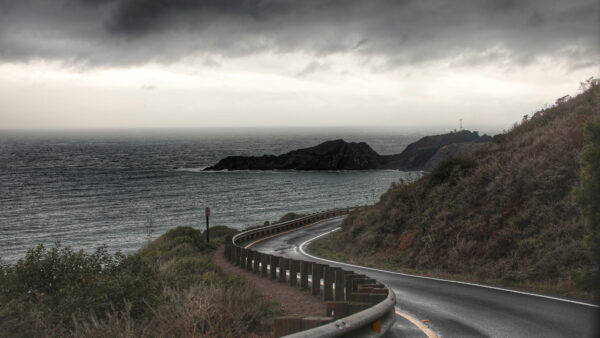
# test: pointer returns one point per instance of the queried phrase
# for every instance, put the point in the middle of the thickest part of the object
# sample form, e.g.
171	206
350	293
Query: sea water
121	188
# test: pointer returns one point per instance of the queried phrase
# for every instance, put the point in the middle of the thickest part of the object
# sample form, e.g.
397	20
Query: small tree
588	192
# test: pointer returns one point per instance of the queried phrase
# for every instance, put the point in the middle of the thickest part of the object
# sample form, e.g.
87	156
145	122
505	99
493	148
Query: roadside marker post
207	213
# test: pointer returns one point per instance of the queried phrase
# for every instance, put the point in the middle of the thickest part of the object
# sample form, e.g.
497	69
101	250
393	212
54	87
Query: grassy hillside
502	214
169	289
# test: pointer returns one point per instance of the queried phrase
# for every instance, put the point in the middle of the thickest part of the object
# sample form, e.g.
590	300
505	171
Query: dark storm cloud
125	32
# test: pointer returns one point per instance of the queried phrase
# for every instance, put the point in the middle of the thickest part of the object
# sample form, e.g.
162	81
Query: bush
451	170
288	217
53	287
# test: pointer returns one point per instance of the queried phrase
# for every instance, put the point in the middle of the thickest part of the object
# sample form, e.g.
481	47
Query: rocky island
341	155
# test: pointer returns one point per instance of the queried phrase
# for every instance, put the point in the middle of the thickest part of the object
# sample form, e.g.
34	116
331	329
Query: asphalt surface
455	309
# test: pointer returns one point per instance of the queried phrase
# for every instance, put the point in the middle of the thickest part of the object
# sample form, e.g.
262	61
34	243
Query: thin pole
207	213
207	237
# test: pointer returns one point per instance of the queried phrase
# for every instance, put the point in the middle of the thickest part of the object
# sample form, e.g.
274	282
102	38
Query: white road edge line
433	278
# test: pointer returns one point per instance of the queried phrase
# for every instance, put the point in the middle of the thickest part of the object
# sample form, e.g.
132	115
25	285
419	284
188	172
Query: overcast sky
194	63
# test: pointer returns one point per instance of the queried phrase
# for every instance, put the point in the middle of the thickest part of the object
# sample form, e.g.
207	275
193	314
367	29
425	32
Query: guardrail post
339	284
273	267
293	272
359	281
249	254
264	260
328	276
348	283
244	253
304	267
283	262
316	279
255	255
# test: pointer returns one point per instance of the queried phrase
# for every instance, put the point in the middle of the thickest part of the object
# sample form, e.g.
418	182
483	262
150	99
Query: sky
72	64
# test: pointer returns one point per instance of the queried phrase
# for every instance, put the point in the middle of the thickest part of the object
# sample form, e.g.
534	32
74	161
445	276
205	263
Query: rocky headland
423	154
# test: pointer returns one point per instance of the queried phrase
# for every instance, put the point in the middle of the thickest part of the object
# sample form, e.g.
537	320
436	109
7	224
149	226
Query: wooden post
316	279
264	261
244	253
207	213
283	263
328	275
339	285
304	267
273	267
249	260
256	256
293	272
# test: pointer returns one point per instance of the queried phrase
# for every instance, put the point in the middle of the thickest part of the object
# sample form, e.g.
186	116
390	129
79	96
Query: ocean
85	189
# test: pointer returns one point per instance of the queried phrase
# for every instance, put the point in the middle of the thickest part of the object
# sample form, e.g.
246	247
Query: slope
502	214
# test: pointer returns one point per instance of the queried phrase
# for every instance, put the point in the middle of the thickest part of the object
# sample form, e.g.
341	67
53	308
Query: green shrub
52	287
499	138
170	288
451	170
288	217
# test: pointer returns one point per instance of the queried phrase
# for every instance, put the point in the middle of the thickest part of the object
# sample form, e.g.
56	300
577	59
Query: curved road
433	307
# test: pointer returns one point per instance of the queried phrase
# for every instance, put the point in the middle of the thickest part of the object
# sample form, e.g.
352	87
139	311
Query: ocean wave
191	170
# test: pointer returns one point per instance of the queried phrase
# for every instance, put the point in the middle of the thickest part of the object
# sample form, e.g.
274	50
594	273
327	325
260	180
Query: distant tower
460	124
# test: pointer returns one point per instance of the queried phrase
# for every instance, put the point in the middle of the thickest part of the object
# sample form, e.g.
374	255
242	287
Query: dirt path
295	302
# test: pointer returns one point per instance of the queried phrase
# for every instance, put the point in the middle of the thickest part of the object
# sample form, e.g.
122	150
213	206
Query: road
433	307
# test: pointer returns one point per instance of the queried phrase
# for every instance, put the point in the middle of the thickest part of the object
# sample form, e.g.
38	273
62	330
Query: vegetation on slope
588	192
288	217
503	214
169	288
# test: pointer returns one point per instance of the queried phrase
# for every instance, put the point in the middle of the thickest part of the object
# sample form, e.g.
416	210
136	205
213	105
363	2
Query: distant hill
503	213
342	155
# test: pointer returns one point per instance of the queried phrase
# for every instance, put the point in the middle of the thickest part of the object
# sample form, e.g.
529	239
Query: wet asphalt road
455	309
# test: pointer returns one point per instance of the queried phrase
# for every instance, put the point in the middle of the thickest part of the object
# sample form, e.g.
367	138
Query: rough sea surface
89	188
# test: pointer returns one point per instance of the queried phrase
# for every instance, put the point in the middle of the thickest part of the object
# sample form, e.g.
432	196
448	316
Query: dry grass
199	311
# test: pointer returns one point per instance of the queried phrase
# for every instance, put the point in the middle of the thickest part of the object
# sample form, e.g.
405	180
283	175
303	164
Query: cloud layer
133	32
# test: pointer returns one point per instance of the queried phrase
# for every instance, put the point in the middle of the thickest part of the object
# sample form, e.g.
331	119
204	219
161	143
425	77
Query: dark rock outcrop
330	155
342	155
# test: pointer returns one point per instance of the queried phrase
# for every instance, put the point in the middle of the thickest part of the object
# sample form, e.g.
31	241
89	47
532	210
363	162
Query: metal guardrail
357	305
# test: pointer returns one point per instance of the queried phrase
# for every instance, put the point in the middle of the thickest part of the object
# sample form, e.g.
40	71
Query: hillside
417	154
501	214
